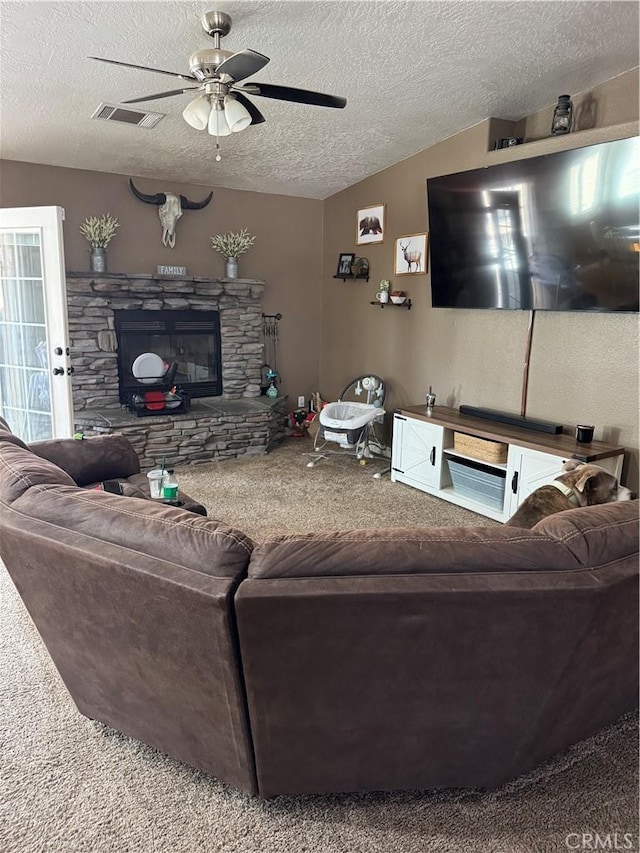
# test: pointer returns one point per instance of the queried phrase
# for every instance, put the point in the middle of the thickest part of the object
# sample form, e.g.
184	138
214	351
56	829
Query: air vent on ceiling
114	112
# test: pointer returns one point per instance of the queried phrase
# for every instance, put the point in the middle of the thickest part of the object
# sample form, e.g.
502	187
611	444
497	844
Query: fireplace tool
269	374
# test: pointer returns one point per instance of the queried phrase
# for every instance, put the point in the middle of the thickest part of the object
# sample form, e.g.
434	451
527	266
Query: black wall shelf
353	277
406	304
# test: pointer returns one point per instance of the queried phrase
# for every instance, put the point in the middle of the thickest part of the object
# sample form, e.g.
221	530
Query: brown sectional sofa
366	660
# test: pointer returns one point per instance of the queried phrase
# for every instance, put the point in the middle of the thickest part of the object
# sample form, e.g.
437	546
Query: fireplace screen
189	339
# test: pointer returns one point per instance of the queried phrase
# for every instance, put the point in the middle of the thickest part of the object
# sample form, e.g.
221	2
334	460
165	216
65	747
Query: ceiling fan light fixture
236	114
216	74
196	113
218	125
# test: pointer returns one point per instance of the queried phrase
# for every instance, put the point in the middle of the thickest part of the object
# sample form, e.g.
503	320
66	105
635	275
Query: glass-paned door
35	383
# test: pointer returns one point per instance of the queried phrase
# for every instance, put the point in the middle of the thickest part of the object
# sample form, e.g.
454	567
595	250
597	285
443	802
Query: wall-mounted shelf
405	304
575	139
353	277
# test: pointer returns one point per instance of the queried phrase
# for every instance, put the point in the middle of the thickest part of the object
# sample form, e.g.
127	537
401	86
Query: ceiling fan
222	106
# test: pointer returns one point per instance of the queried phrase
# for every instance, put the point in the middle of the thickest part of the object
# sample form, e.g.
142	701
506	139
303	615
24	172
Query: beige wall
584	367
610	103
286	254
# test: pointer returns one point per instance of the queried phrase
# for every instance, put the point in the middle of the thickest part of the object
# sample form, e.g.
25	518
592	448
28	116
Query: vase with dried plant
99	231
231	245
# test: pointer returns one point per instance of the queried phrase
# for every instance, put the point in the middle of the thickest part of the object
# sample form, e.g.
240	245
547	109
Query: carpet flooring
278	493
70	785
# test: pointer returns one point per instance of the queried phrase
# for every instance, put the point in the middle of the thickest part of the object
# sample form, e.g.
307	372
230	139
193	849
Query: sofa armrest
91	460
598	534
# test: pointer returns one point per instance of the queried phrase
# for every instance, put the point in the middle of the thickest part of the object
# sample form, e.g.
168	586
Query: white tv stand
423	445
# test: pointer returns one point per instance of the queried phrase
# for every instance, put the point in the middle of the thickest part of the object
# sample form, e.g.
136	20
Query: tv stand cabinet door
417	453
528	470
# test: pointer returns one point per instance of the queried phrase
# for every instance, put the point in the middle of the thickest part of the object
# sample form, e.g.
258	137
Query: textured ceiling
413	73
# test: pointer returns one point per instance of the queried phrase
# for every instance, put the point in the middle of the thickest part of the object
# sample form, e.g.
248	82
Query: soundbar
513	420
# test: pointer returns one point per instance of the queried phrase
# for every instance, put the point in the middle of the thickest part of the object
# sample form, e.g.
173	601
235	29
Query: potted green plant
231	245
99	231
360	267
383	290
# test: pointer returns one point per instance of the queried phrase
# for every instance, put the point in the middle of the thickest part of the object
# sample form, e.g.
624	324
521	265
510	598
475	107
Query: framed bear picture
370	224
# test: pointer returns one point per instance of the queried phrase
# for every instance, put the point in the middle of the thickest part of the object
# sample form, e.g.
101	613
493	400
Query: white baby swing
352	425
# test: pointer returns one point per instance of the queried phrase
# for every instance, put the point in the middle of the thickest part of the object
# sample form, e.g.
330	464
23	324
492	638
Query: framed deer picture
411	254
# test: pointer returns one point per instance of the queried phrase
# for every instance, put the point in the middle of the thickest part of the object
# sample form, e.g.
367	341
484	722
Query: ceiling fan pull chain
218	157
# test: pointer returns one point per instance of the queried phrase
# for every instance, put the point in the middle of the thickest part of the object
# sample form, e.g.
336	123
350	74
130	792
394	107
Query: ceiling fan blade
242	64
254	112
160	95
298	96
144	68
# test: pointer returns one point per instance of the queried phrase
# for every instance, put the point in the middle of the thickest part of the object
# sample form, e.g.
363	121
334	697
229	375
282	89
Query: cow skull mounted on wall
170	210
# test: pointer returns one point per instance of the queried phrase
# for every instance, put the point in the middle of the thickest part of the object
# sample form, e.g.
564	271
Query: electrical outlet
300	402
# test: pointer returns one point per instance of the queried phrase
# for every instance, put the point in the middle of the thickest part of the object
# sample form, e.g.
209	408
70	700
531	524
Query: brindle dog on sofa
580	484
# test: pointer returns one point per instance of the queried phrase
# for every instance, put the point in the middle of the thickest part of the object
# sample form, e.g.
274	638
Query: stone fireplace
189	343
219	361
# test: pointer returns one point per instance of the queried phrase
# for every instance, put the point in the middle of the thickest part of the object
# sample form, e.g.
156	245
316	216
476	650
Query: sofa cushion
4	427
22	469
34	488
91	460
154	529
596	535
402	551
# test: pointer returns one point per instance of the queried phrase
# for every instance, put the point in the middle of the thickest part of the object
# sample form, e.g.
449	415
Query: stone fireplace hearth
237	421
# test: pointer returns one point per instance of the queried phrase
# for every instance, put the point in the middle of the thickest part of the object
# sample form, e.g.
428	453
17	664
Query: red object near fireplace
154	400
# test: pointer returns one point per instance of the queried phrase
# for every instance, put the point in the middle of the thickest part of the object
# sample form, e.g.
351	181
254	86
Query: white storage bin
478	482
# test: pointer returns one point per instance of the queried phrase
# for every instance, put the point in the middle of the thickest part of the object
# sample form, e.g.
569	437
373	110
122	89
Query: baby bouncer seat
351	425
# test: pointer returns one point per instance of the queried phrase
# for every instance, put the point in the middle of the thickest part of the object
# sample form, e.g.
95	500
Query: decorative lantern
562	116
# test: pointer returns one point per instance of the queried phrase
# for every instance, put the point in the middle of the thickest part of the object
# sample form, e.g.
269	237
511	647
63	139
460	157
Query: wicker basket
480	448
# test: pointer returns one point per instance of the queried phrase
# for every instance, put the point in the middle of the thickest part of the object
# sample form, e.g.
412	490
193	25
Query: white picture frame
411	254
370	224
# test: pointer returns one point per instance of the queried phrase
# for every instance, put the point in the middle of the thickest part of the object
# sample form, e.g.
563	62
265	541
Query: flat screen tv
560	232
